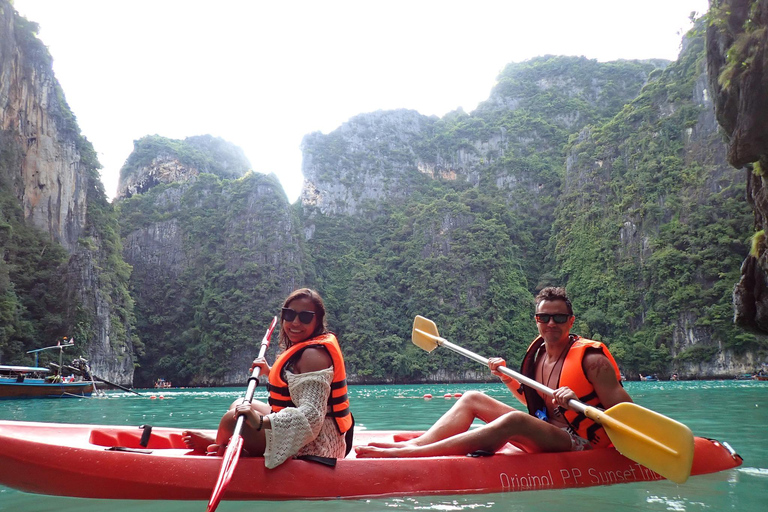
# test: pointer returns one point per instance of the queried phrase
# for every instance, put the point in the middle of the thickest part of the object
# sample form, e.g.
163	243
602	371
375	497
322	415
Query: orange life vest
338	401
573	376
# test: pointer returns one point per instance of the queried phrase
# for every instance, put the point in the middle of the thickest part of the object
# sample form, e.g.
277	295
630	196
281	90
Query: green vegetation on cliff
32	286
229	253
205	153
606	178
46	293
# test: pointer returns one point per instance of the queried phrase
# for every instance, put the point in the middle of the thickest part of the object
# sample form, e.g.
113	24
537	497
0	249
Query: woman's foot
379	452
198	442
395	444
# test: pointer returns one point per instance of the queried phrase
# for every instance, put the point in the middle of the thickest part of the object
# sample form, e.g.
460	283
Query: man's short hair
554	293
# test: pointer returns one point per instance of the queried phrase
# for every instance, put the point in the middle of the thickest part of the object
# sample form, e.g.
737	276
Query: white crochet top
304	429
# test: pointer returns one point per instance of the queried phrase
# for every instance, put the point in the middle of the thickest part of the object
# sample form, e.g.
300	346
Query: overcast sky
264	74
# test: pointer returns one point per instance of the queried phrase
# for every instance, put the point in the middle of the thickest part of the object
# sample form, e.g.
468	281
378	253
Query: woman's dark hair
554	293
317	300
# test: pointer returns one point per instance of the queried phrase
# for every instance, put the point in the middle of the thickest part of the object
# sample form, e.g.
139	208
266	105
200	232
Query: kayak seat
132	440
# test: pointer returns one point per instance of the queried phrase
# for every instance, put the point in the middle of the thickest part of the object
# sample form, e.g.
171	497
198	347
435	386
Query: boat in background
35	382
152	463
38	382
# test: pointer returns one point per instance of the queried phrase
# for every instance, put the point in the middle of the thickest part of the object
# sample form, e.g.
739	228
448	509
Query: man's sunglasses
560	318
305	317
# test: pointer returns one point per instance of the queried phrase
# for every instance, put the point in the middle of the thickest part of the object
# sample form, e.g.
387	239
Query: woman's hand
245	409
562	396
262	364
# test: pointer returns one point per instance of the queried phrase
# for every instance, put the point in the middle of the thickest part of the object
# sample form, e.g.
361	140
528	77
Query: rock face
366	160
50	180
163	169
737	54
212	260
156	160
54	176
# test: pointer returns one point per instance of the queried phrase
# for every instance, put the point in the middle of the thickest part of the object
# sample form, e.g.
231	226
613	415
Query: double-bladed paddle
232	455
655	441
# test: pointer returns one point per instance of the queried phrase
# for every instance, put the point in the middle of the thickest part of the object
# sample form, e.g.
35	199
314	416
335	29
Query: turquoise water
731	411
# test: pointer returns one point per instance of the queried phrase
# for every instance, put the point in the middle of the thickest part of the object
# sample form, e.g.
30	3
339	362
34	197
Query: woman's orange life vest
338	401
573	376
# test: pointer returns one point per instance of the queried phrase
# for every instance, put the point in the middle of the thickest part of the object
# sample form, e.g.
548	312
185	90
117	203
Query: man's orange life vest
338	401
573	376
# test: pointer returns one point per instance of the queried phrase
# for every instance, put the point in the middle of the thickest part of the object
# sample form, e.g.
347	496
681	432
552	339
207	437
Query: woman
308	410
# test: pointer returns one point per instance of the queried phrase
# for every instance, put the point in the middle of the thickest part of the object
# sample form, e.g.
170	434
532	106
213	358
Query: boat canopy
23	369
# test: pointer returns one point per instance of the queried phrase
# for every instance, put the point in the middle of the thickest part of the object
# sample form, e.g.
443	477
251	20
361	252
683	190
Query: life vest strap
281	390
281	403
336	400
339	414
338	384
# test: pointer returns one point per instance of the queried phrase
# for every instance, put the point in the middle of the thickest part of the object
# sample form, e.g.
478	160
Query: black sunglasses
560	318
305	317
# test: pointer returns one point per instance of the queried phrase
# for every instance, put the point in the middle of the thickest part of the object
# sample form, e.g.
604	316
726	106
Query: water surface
732	411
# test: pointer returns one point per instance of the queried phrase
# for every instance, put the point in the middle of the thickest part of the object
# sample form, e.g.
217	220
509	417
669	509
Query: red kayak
95	461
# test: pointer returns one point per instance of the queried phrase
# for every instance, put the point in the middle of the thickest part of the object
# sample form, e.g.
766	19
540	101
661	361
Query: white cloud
264	74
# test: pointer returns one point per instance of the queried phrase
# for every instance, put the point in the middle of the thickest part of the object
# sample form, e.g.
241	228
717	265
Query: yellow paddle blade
652	439
425	333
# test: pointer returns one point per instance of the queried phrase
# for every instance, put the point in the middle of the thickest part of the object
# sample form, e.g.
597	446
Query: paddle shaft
253	380
232	454
573	404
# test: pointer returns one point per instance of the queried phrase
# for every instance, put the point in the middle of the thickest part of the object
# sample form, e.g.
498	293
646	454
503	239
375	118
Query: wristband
261	422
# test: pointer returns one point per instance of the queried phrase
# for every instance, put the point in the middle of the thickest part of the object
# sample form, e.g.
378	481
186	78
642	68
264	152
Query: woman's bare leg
203	443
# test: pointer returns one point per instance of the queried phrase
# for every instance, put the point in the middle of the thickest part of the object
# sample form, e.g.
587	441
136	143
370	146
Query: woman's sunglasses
543	318
305	317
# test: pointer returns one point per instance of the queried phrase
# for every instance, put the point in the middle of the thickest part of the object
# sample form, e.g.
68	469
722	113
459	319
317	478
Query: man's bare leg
516	427
471	405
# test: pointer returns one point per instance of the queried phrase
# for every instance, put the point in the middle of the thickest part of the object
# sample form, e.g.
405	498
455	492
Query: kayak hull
107	462
38	388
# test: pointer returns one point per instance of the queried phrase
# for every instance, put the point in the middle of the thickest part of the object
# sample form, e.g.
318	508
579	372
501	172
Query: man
575	367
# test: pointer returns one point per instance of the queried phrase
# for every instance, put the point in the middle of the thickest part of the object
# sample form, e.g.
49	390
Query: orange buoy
457	395
447	395
428	396
152	397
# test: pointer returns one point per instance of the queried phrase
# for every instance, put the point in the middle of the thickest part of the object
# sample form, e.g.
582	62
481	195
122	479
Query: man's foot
198	442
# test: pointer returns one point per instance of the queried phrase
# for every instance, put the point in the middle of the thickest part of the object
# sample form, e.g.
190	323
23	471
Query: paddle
232	455
116	385
93	377
655	441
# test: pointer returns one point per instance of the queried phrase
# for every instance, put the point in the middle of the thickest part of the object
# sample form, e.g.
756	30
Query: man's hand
562	396
494	363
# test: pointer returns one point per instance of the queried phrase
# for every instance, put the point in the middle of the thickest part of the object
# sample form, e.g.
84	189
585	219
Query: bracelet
261	422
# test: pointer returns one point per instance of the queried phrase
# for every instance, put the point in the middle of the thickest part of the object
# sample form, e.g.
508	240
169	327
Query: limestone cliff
50	181
52	172
156	160
659	170
609	178
212	259
737	45
383	156
364	161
